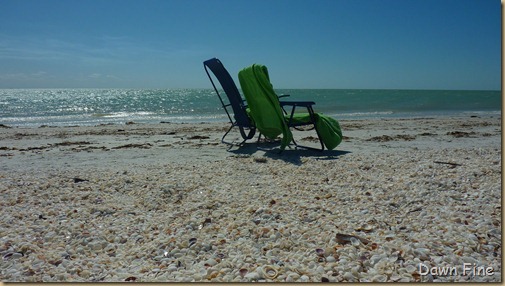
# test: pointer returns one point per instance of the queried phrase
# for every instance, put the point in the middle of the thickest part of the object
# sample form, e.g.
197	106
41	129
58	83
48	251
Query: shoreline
221	118
169	202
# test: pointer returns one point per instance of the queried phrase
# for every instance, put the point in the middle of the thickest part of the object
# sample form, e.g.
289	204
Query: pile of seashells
360	217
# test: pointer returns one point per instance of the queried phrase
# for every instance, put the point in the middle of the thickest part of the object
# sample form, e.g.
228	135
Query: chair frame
310	110
235	101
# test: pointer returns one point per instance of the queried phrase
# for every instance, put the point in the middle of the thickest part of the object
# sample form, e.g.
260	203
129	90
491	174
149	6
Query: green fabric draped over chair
267	113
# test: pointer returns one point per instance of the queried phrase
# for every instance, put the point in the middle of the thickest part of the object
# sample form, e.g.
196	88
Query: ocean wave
358	114
123	114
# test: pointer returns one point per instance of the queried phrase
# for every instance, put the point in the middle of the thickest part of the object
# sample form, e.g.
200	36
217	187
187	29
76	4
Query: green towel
266	112
263	103
327	127
330	131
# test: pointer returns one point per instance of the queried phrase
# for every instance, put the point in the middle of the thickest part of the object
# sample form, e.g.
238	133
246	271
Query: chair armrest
297	103
283	95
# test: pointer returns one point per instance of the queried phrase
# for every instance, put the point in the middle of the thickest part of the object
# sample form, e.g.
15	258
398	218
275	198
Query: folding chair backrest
231	91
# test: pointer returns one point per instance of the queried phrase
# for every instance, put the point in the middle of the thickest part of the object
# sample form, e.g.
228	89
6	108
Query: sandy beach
399	200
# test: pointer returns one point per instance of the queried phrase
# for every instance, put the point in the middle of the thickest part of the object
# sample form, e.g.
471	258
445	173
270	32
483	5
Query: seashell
471	260
171	268
210	262
365	228
12	255
362	258
27	248
212	275
304	278
197	276
428	278
252	276
294	276
297	270
346	238
192	241
8	255
349	277
131	279
395	278
416	276
355	241
329	251
206	247
243	272
380	278
393	257
202	271
410	269
227	277
269	272
320	252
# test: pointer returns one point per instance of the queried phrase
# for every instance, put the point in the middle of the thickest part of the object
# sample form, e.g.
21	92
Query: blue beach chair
264	112
235	100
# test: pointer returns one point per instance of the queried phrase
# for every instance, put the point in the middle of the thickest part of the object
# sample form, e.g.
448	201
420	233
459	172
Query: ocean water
64	107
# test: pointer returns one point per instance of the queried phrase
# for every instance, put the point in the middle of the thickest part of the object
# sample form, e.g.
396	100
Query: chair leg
313	121
311	148
320	139
222	139
231	143
249	135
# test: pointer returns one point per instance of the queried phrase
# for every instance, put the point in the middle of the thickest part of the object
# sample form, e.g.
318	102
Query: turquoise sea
63	107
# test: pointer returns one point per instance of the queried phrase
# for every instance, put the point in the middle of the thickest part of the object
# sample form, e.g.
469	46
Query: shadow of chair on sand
289	155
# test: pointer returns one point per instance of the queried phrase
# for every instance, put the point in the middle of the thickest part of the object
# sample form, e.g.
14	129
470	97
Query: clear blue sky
397	44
